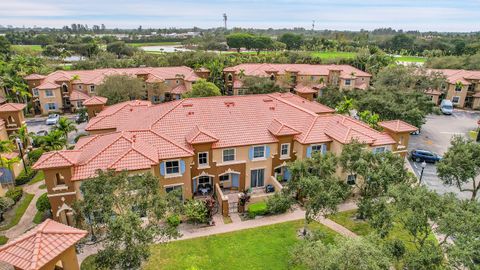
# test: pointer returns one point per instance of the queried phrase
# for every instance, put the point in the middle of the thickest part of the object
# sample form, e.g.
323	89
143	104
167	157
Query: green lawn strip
334	55
3	240
264	247
412	59
42	186
20	48
19	211
38	218
164	43
37	178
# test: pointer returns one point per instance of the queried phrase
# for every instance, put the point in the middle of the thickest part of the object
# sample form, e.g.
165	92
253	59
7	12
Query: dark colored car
424	155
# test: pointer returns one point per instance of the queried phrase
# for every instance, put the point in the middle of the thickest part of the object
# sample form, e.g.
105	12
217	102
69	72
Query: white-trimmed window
172	167
223	178
259	152
203	159
51	106
381	149
177	82
49	93
229	77
455	99
175	188
35	92
317	148
348	82
92	88
228	155
285	150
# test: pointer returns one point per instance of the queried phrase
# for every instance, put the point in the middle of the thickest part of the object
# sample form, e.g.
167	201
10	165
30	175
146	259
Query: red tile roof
433	92
34	76
179	89
78	95
146	134
48	85
398	126
302	69
96	100
41	245
305	89
12	107
458	75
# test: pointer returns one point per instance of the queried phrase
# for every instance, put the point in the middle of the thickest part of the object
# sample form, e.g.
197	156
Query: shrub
35	154
278	203
15	194
257	209
196	211
173	220
43	204
24	178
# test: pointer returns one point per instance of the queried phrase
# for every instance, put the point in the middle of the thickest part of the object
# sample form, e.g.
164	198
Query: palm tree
23	135
55	140
9	162
66	126
5	147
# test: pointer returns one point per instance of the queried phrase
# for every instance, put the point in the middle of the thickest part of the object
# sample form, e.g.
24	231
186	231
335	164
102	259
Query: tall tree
5	147
114	204
55	140
292	41
66	126
202	88
460	166
119	88
256	85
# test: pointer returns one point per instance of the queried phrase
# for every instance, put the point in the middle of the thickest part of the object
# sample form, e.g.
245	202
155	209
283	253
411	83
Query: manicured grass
37	219
3	240
20	48
413	59
37	178
19	211
265	247
154	44
334	55
42	186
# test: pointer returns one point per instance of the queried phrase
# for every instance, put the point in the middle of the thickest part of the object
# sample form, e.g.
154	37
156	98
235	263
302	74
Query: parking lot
37	124
435	136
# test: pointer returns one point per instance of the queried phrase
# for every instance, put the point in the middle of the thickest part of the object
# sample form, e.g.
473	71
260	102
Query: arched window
229	77
64	88
11	120
272	77
59	179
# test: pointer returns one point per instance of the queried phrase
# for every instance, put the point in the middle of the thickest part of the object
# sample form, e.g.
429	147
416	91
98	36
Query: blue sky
424	15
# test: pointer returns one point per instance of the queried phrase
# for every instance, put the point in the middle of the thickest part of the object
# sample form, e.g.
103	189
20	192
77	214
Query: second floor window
228	155
48	93
458	87
348	82
92	88
316	148
203	159
378	150
172	167
259	152
285	150
59	179
35	92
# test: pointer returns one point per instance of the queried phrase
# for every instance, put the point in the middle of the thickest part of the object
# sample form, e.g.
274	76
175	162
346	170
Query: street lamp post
20	148
424	164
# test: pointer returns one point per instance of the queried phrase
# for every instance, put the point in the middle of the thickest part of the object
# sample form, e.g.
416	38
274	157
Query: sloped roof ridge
165	137
279	98
166	113
122	136
310	128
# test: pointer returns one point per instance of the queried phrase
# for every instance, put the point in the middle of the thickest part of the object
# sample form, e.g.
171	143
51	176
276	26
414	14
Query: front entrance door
257	178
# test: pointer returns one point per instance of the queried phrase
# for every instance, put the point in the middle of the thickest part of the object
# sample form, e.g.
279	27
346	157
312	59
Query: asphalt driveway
38	124
435	136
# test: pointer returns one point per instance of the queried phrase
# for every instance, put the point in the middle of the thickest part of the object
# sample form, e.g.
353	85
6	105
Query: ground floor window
351	179
456	99
178	189
257	178
51	106
224	177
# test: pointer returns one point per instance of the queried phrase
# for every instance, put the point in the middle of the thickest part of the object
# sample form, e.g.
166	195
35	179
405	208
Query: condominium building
65	91
305	80
462	87
220	145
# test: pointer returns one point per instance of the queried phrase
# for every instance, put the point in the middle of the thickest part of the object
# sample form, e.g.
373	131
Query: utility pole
225	20
313	25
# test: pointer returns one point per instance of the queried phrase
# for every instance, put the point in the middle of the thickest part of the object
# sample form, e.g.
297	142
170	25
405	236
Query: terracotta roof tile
78	95
398	126
278	128
179	89
302	69
305	89
96	100
41	245
34	76
12	107
48	85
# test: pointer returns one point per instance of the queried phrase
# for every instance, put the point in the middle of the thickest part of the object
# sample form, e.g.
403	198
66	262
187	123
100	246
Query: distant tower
225	20
313	25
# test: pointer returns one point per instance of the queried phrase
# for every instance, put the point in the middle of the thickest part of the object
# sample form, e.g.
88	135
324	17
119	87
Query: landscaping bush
257	209
278	203
43	204
196	211
173	220
5	204
35	154
24	178
15	194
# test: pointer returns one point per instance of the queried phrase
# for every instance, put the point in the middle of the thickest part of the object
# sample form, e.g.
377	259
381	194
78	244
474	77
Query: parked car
42	133
80	118
446	107
52	119
419	155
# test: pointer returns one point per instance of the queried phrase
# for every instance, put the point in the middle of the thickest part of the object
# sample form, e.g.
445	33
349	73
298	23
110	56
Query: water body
165	48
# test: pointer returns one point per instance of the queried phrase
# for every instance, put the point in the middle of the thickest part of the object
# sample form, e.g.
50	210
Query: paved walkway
237	224
26	222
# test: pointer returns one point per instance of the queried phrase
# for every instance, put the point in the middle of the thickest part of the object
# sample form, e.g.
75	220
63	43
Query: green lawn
38	218
19	211
21	48
154	44
37	178
3	240
413	59
257	248
334	55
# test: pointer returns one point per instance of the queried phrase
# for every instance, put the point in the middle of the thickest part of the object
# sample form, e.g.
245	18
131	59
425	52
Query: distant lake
165	48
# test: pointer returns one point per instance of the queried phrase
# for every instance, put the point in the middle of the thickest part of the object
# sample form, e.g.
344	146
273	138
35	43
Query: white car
52	119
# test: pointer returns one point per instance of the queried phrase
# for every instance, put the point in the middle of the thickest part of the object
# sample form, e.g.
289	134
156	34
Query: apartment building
65	91
223	144
304	80
462	88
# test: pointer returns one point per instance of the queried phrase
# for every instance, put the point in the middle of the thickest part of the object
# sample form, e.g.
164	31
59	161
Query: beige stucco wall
452	93
67	259
57	98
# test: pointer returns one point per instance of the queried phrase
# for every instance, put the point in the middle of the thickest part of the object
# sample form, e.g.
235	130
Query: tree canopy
119	88
202	88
